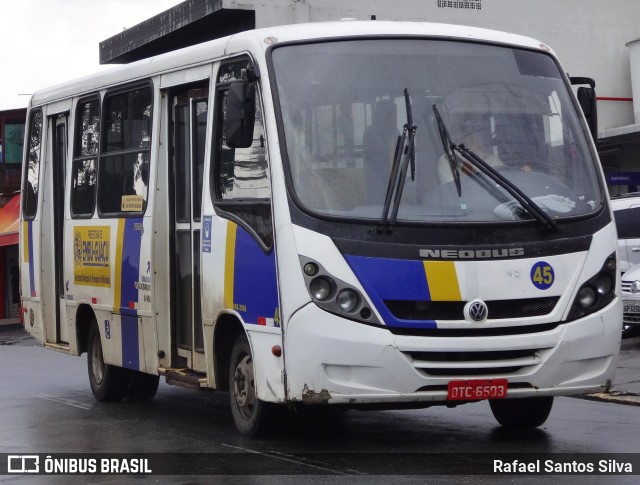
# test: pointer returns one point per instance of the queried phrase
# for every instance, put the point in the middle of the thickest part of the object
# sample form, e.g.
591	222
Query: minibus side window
241	188
123	180
85	152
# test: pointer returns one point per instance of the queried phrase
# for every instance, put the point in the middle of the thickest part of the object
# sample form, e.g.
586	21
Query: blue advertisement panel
623	178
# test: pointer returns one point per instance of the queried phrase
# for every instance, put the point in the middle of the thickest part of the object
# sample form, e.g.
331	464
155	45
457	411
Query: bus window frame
126	88
195	193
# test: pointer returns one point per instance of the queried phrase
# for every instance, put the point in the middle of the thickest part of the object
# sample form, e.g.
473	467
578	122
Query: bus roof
260	39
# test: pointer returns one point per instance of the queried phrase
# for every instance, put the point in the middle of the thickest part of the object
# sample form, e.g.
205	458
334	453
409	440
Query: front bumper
332	360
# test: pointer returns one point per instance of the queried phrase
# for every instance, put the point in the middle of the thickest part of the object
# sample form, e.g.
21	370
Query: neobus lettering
471	253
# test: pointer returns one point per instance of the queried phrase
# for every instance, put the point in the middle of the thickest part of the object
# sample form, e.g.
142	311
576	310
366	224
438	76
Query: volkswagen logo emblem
635	287
476	310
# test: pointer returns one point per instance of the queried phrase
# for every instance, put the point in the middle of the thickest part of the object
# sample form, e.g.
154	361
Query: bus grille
631	318
453	310
473	363
626	286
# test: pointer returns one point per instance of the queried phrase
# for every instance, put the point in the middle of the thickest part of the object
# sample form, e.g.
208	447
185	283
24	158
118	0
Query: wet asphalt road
46	406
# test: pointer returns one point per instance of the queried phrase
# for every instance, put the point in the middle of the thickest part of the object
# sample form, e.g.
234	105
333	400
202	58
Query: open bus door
188	111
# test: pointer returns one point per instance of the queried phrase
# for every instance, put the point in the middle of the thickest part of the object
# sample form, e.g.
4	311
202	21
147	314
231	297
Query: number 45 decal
542	275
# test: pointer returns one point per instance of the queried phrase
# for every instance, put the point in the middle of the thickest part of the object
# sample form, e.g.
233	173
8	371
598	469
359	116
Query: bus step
58	347
184	378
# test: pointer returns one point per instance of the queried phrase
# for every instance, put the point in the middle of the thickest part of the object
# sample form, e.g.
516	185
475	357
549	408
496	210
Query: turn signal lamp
310	269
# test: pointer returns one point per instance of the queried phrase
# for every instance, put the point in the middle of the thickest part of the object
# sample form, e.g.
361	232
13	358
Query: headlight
320	288
604	284
347	300
587	297
334	295
597	292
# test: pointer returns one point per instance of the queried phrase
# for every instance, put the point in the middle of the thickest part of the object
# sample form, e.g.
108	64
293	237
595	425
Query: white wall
589	36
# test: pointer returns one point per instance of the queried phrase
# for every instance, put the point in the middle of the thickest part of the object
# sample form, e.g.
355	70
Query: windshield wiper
404	154
525	201
449	146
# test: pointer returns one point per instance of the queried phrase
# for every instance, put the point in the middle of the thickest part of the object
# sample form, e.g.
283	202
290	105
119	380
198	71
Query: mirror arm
582	80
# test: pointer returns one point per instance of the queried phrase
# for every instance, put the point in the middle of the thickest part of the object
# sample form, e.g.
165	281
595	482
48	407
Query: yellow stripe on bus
25	240
442	280
117	286
229	264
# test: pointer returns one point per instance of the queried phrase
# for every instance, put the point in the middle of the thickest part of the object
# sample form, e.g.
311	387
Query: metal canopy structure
188	23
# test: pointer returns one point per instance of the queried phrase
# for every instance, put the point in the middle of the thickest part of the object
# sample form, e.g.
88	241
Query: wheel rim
97	362
244	390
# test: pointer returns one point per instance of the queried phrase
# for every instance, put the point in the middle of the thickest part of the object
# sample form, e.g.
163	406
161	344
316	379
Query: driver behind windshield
477	136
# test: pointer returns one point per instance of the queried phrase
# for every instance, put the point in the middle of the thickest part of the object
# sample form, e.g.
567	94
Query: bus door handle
635	250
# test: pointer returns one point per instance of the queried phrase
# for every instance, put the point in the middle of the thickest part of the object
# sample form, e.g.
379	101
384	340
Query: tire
528	412
251	416
108	383
143	386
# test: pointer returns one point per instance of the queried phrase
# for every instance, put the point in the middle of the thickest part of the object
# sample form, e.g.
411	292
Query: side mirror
587	101
240	115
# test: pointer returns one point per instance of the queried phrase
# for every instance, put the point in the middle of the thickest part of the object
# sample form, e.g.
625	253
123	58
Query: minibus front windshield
344	109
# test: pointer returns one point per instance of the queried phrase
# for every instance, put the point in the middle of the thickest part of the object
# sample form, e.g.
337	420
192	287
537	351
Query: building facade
12	127
592	38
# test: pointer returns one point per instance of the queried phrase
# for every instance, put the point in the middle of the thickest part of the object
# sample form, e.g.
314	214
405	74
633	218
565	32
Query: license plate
477	389
631	307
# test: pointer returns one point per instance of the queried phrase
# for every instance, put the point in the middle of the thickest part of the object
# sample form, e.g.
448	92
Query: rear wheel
108	383
528	412
251	415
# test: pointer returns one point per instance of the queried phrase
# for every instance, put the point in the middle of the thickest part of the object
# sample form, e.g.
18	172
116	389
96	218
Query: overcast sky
46	42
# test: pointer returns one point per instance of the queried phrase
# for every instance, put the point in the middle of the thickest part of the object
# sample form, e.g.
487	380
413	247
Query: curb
11	327
616	397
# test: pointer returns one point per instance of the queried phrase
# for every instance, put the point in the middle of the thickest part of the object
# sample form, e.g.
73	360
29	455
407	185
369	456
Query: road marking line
293	459
75	404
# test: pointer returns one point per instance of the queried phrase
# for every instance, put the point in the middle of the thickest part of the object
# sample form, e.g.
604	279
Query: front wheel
251	415
143	386
108	383
527	412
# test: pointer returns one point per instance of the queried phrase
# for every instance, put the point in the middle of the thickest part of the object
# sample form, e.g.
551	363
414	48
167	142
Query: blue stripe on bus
131	243
392	279
255	289
130	343
130	265
32	280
